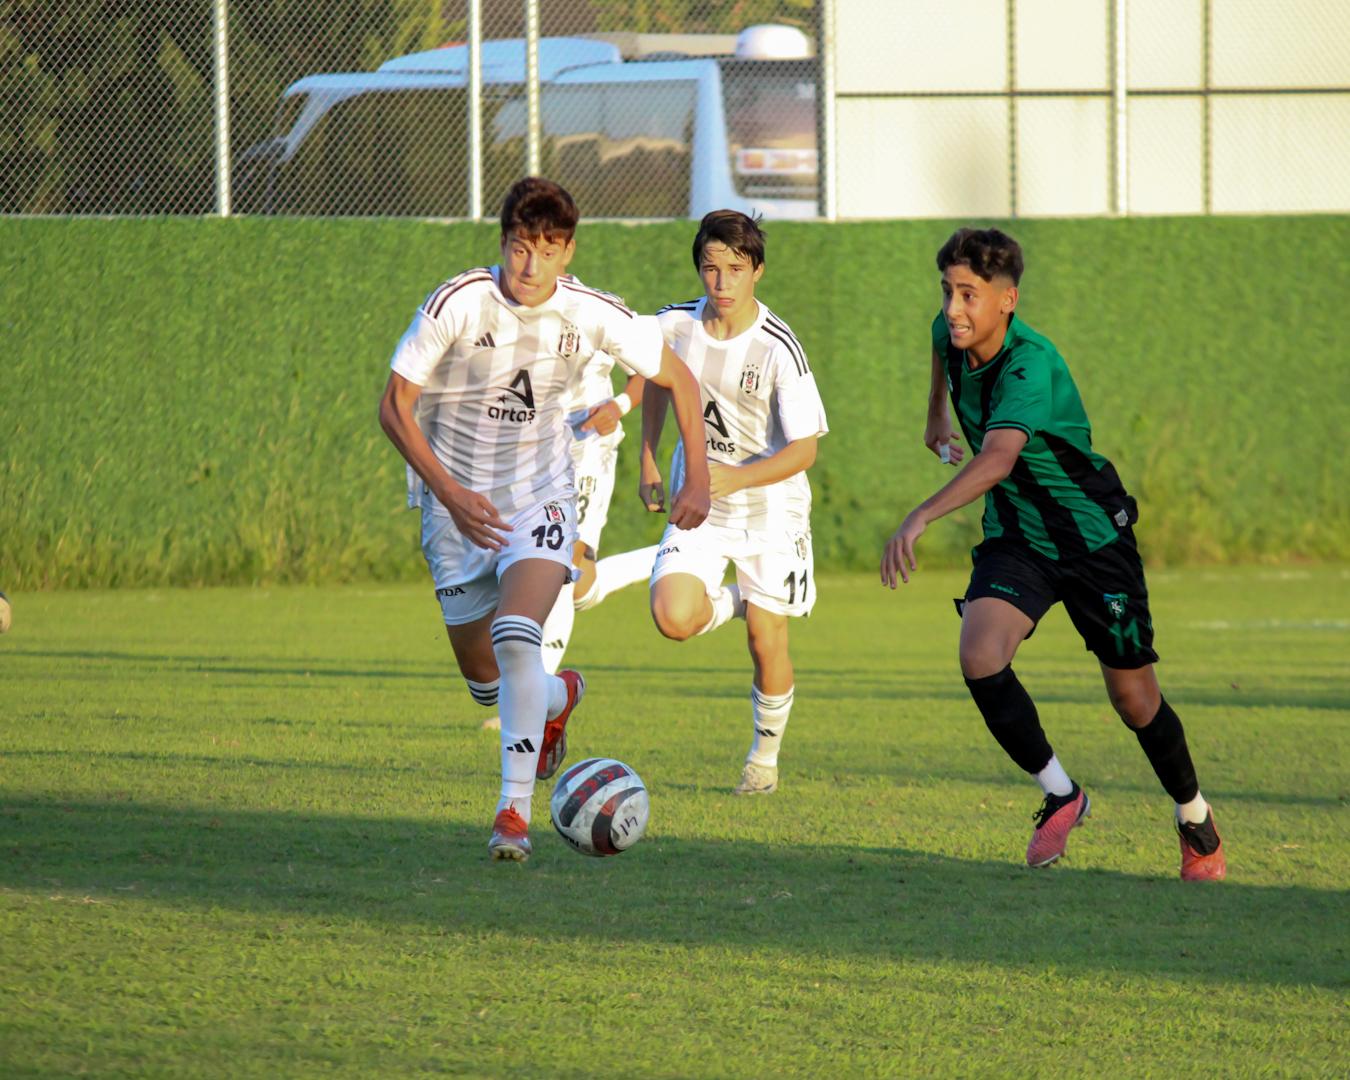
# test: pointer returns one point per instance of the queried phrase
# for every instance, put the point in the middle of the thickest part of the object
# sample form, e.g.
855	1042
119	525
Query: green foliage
194	401
244	836
110	105
701	16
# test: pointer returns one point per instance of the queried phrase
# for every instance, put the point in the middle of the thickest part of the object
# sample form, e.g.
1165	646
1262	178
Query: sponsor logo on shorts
1122	518
674	549
1004	588
554	513
1115	603
453	590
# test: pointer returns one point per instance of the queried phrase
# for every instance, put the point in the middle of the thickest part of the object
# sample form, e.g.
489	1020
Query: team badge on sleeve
554	513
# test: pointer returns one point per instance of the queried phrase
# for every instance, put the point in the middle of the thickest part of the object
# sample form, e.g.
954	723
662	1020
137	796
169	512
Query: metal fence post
825	143
532	131
222	88
1121	106
475	20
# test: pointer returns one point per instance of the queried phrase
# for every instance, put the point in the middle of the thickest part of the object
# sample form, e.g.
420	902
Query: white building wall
997	108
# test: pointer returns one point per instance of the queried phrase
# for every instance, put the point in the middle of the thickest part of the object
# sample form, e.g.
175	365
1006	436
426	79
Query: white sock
520	806
616	571
557	695
1193	812
558	629
724	603
1053	779
485	693
771	717
523	700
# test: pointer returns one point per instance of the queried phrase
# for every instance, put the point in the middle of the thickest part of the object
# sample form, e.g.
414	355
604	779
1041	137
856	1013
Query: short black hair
737	231
539	209
988	252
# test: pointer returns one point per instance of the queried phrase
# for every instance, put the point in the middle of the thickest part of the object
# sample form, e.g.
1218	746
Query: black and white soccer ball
600	807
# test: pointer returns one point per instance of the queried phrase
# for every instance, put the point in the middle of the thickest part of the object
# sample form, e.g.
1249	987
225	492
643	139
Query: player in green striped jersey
1057	528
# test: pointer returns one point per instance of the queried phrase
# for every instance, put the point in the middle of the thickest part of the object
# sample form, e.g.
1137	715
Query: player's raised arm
691	504
473	514
991	465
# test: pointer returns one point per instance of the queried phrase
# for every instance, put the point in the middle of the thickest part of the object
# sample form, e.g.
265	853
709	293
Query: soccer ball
600	807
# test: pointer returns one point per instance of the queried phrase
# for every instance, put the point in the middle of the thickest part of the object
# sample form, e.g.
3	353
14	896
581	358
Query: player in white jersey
762	416
475	406
594	413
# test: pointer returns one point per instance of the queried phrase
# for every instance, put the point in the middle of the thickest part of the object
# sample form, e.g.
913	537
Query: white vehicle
634	125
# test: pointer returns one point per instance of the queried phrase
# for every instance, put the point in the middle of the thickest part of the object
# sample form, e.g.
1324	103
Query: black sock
1010	715
1164	743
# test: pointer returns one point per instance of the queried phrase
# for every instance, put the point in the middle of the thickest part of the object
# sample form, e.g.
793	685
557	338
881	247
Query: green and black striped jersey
1062	498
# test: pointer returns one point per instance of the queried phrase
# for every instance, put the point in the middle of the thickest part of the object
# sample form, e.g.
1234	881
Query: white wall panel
1166	158
1063	46
920	46
1281	154
923	157
1063	156
1290	43
1166	44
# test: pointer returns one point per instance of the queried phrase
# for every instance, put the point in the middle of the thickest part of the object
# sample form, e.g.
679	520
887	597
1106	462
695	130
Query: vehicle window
771	126
371	156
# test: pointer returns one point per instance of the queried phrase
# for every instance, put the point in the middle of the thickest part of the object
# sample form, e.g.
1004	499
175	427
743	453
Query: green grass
242	833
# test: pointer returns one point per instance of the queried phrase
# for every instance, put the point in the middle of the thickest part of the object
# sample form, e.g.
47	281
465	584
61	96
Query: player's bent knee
1134	706
675	620
979	660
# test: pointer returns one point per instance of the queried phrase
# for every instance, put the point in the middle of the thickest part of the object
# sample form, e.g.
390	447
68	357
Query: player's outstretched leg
767	637
1138	700
524	701
615	572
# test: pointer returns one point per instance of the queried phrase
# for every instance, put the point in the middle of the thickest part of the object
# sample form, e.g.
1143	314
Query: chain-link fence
667	108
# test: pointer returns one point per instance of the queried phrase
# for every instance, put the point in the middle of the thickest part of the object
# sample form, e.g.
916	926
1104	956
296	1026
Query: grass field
242	833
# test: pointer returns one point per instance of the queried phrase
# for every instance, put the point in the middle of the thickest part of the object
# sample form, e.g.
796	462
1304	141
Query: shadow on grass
866	903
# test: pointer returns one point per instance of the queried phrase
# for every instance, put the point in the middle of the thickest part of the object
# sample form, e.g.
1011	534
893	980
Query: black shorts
1104	594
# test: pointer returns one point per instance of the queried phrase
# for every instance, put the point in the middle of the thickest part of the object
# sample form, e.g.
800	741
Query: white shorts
594	460
466	576
775	568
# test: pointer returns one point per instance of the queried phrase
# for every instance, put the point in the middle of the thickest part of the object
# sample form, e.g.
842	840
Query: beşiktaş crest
569	340
750	375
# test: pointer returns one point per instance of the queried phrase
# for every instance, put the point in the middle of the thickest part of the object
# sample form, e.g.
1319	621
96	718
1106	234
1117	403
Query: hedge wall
194	401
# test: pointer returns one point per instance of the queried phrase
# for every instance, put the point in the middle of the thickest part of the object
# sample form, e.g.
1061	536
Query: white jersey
496	379
593	388
758	395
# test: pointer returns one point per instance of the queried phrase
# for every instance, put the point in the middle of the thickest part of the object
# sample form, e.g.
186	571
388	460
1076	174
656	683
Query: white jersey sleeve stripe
779	329
608	298
797	360
437	300
688	305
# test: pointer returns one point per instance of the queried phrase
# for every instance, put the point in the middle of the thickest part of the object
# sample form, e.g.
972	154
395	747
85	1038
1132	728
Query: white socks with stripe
614	572
524	702
771	717
485	693
726	605
558	629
